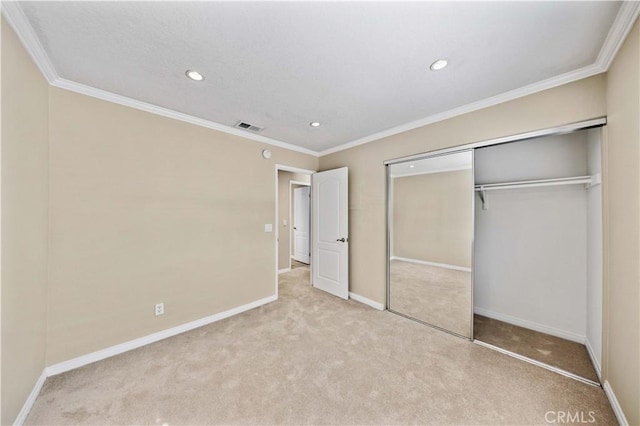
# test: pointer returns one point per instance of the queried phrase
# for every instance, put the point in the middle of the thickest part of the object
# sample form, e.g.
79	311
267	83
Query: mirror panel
430	215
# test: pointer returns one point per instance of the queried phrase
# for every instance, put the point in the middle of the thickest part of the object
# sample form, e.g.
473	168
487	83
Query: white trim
623	23
25	32
542	328
530	89
594	359
285	270
362	299
15	17
615	405
31	399
625	19
151	338
165	112
424	262
294	169
277	218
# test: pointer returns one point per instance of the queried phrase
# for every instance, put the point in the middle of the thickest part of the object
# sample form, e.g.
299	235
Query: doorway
290	242
300	231
323	237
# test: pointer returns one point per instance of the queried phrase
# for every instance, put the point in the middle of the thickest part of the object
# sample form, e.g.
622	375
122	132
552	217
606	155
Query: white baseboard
617	410
542	328
362	299
283	271
594	359
424	262
151	338
31	399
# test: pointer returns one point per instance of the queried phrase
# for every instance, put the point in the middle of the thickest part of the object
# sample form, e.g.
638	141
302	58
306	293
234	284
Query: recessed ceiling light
194	75
314	124
411	166
438	65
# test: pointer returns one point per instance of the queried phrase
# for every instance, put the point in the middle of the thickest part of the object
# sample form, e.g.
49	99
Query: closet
501	243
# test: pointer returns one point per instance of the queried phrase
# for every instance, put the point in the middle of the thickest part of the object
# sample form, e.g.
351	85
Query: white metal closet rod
535	183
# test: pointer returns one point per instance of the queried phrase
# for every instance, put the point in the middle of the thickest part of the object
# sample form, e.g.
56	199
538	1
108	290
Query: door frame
291	184
284	168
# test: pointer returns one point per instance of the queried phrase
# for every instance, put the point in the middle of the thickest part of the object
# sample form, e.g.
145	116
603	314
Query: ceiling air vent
247	126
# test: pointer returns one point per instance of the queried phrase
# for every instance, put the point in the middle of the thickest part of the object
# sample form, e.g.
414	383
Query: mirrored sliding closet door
430	219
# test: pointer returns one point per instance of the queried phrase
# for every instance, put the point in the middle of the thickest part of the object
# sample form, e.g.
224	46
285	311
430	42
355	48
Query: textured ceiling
358	68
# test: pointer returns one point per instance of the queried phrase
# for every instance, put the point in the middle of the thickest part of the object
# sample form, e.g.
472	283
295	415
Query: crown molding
625	19
530	89
165	112
621	27
14	15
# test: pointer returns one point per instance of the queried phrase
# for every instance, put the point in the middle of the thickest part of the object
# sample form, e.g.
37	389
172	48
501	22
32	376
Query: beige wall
572	102
25	193
285	200
143	211
622	227
433	218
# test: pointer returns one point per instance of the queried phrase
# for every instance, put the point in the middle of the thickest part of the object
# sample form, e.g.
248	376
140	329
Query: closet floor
555	351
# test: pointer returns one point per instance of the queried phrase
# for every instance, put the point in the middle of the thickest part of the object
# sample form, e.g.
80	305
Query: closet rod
535	183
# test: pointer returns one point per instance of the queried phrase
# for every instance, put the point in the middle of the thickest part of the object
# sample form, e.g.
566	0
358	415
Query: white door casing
301	247
330	231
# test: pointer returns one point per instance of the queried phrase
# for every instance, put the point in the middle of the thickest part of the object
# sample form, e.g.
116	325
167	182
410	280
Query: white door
301	247
330	232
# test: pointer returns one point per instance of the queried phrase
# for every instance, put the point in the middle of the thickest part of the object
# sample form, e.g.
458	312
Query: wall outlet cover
159	310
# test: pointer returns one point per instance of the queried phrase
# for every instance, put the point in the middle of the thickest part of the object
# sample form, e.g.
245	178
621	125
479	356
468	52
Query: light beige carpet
437	296
569	356
296	264
311	358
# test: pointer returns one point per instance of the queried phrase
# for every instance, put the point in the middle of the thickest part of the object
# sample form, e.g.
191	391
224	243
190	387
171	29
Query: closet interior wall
538	251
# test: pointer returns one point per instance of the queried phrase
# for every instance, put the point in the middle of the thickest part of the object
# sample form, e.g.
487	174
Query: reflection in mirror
430	240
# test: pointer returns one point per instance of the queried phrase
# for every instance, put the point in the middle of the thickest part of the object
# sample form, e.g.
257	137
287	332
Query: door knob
342	240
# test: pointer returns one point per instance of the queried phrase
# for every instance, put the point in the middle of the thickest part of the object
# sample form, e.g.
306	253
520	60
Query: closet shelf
588	181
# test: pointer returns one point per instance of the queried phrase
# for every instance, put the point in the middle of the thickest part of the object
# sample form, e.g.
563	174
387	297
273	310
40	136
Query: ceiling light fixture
411	166
438	65
194	75
314	124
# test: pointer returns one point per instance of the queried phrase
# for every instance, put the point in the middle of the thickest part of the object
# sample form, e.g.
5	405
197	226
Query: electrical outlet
159	309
